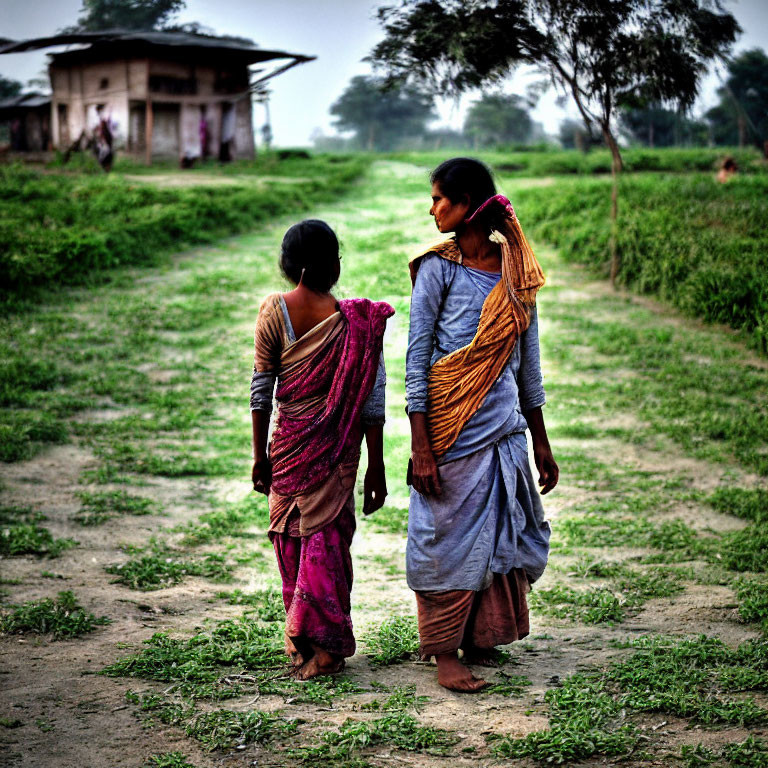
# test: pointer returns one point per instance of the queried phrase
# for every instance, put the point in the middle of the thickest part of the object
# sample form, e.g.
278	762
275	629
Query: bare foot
321	663
297	659
483	657
454	676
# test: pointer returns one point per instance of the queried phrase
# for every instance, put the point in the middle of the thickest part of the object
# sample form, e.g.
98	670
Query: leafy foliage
604	55
496	118
164	567
715	268
126	14
48	236
381	117
62	617
741	117
394	640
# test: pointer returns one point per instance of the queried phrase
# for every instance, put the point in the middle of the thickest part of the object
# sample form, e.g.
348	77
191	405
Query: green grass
752	594
592	713
519	161
168	760
62	617
750	753
20	534
393	641
399	731
268	603
99	506
714	267
164	567
234	521
62	228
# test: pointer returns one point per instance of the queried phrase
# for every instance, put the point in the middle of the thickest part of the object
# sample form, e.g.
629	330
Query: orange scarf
459	382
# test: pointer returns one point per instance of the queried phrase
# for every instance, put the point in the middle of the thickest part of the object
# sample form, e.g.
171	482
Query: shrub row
698	244
58	228
568	162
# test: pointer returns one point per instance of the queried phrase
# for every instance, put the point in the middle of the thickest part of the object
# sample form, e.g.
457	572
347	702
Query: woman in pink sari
326	356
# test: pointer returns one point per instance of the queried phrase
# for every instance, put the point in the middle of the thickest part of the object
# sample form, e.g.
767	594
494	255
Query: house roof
248	52
26	101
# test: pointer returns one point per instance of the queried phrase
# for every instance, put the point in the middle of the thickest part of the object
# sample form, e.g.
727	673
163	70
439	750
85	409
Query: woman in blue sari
477	537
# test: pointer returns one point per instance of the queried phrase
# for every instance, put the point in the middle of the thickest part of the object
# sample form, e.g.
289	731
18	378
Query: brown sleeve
268	338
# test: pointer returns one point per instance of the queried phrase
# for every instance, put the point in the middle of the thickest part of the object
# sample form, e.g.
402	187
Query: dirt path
64	715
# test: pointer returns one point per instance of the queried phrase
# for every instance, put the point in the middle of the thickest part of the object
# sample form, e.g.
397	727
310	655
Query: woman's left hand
261	476
549	472
374	489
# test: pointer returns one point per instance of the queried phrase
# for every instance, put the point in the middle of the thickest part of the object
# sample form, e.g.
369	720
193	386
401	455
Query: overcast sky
339	32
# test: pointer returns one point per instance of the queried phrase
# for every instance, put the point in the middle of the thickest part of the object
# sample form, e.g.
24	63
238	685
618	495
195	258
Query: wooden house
164	94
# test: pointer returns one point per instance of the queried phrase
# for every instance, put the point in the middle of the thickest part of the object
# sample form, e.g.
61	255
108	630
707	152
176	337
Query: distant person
728	169
204	134
477	537
326	356
103	141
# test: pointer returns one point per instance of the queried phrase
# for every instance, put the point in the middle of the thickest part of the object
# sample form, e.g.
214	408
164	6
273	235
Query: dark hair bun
310	255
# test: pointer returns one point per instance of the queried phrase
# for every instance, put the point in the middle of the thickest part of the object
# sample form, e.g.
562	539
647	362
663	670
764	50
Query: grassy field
137	575
63	227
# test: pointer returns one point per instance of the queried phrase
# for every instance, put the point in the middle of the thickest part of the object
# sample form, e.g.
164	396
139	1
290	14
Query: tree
9	88
655	126
603	53
574	135
96	15
742	114
379	116
496	118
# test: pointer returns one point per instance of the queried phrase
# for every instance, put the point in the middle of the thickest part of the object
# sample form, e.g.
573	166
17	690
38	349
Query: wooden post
148	121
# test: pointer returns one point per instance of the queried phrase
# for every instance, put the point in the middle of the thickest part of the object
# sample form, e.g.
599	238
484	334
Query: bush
700	245
67	229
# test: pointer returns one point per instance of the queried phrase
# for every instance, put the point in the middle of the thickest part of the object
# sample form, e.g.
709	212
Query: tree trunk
617	166
742	128
371	137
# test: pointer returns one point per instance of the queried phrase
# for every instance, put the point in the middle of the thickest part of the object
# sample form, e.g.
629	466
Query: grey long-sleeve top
445	310
263	384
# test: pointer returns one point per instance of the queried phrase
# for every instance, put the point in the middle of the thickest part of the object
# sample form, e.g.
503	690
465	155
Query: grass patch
199	666
714	269
268	603
393	641
21	537
232	521
389	520
400	699
164	567
99	506
46	226
508	685
398	730
693	678
168	760
591	714
752	595
224	729
62	617
750	753
584	720
214	729
748	504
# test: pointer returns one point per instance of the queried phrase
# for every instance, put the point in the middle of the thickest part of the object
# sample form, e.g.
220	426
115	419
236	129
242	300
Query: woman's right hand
426	478
261	475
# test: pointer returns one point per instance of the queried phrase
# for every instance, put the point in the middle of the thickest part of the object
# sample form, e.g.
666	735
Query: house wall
177	91
82	88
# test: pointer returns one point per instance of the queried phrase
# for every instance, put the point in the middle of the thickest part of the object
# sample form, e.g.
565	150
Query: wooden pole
148	124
